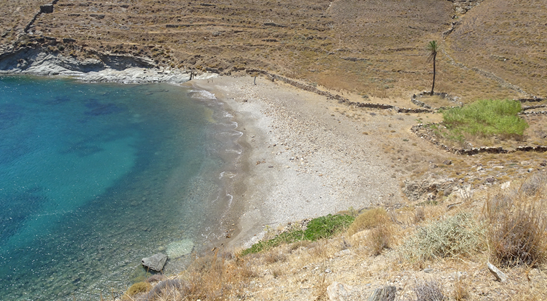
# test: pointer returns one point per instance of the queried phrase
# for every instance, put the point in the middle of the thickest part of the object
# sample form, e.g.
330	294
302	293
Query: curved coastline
297	161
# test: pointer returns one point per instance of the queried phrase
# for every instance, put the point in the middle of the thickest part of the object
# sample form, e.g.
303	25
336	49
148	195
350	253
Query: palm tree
432	47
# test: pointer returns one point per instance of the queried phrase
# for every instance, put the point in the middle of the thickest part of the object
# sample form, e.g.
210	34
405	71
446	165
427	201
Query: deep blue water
94	177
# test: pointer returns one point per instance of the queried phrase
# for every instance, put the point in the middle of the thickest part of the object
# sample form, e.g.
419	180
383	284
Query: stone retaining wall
446	96
336	96
475	150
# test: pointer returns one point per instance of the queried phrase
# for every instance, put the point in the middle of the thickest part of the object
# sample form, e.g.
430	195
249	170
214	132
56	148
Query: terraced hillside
372	47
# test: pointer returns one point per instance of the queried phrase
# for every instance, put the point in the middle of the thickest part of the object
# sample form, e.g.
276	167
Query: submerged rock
155	262
180	248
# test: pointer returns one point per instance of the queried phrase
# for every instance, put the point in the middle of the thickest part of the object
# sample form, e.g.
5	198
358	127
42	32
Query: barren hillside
375	48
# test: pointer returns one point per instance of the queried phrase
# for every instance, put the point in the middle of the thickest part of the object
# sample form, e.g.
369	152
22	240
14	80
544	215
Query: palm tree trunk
434	71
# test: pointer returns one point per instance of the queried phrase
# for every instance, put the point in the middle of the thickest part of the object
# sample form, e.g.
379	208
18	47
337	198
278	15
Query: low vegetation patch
458	235
483	118
318	228
518	225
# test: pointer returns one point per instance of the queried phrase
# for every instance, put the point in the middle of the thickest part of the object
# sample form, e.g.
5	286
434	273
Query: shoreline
299	162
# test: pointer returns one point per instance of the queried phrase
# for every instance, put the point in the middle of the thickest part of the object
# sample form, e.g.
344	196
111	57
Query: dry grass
380	238
461	290
517	224
368	219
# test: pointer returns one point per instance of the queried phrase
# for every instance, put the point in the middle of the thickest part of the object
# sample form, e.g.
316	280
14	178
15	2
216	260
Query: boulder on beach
180	248
155	262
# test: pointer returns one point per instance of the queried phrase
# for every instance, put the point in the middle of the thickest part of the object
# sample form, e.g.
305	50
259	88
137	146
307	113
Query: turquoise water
94	177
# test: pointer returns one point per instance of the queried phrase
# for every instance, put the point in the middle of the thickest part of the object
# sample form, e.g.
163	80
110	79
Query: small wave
202	94
233	151
229	175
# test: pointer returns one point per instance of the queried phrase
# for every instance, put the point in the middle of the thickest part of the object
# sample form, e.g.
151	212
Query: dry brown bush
368	219
380	238
517	224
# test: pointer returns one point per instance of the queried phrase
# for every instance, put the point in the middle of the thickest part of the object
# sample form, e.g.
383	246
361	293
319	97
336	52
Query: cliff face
370	47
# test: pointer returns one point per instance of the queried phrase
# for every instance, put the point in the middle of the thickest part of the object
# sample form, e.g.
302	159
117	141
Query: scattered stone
505	185
500	276
480	168
46	8
343	292
180	248
342	253
155	262
447	162
428	270
384	294
530	169
490	180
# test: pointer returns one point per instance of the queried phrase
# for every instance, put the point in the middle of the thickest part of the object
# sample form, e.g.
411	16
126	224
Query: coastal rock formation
104	68
155	262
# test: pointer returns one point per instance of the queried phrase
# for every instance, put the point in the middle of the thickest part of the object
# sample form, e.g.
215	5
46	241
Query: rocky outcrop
105	67
463	6
155	262
428	190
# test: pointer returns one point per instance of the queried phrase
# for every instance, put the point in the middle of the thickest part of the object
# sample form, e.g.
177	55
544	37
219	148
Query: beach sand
301	159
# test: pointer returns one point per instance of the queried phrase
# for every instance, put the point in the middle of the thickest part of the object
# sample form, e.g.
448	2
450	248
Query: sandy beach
301	159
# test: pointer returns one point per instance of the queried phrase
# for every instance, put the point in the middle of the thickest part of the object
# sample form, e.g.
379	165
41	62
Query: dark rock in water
46	9
155	262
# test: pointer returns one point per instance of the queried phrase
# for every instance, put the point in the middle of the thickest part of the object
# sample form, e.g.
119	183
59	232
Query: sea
94	177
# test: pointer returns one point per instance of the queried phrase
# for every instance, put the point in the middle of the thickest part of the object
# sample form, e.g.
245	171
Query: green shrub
486	117
457	235
321	227
327	226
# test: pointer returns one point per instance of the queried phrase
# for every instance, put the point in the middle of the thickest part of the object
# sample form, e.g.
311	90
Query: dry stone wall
336	96
421	132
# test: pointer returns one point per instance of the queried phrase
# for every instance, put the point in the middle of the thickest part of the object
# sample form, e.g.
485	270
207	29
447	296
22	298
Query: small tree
433	47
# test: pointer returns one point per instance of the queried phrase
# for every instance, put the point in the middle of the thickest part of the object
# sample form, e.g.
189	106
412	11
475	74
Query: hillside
375	48
405	161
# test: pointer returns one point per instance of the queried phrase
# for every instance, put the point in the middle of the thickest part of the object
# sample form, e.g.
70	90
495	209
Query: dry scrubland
428	251
439	239
373	48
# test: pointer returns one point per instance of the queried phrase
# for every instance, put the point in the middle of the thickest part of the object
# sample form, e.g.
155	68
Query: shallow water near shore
94	177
